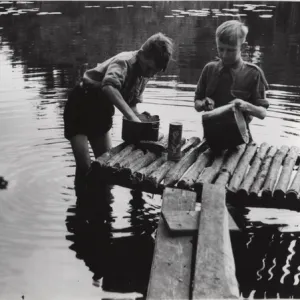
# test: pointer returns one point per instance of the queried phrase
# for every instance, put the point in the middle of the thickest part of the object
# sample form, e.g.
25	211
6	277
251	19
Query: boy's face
148	66
229	54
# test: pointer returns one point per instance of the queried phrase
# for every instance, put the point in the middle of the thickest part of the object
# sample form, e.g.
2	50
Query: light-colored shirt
122	72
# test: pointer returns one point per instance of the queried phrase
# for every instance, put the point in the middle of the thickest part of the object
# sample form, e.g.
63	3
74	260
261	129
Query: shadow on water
118	264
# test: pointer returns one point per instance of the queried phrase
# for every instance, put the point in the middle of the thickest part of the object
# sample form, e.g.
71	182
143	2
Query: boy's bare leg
80	149
101	144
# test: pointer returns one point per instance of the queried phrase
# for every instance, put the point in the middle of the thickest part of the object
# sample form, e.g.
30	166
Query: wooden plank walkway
172	272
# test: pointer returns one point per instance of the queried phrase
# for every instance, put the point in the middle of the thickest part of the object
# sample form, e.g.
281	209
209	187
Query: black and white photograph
149	150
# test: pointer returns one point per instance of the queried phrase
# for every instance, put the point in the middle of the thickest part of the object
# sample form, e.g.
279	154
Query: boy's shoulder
253	66
258	70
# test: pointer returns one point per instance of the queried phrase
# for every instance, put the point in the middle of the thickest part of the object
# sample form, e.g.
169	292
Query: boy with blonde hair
230	79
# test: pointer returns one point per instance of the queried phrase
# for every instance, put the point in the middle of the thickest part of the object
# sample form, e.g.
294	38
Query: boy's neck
235	65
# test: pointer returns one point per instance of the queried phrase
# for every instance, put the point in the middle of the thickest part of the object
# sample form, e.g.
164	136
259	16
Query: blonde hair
160	48
231	32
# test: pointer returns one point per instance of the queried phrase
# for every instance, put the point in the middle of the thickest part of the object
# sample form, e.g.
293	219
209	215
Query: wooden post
170	276
215	269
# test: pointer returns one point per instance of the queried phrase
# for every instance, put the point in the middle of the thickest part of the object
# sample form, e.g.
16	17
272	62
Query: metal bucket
148	129
225	127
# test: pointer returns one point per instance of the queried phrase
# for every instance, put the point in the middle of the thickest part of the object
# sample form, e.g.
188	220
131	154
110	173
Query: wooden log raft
102	160
189	179
261	176
176	172
293	192
214	269
243	190
209	174
273	172
242	167
285	176
140	175
120	156
155	178
230	164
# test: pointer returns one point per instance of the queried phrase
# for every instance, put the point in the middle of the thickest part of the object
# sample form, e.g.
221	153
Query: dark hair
160	48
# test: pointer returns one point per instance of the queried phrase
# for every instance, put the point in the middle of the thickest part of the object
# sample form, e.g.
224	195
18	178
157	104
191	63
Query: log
170	275
120	156
142	162
102	159
244	188
176	172
230	163
133	156
214	268
263	171
190	143
273	172
242	167
157	176
286	173
139	175
293	192
209	174
188	180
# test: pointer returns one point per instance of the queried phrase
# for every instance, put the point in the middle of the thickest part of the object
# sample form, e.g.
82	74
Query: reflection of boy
230	79
117	82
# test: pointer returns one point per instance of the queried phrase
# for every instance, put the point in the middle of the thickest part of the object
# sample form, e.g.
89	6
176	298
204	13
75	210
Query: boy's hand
241	105
206	104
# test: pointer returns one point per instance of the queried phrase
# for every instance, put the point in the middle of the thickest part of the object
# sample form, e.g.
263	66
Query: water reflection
119	264
44	47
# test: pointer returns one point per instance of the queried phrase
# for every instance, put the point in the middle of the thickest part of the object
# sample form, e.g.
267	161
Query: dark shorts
87	112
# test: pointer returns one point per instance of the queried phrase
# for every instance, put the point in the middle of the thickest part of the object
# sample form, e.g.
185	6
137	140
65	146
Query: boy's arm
258	105
112	83
250	109
116	99
202	103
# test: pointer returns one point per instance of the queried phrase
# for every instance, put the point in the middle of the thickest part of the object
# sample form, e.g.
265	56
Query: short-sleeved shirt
122	72
87	110
245	81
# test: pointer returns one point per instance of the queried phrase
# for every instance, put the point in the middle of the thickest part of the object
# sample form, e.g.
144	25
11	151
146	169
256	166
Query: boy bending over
117	82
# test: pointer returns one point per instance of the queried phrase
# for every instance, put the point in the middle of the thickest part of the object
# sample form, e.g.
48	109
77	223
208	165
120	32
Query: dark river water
52	249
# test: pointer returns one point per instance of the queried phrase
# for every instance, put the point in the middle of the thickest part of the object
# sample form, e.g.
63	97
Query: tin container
133	132
174	142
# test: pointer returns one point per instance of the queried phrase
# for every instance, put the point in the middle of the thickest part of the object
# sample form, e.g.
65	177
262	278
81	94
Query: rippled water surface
52	249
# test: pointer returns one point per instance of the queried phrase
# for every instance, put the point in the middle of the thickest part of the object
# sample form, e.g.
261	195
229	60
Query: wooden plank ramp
170	273
175	274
